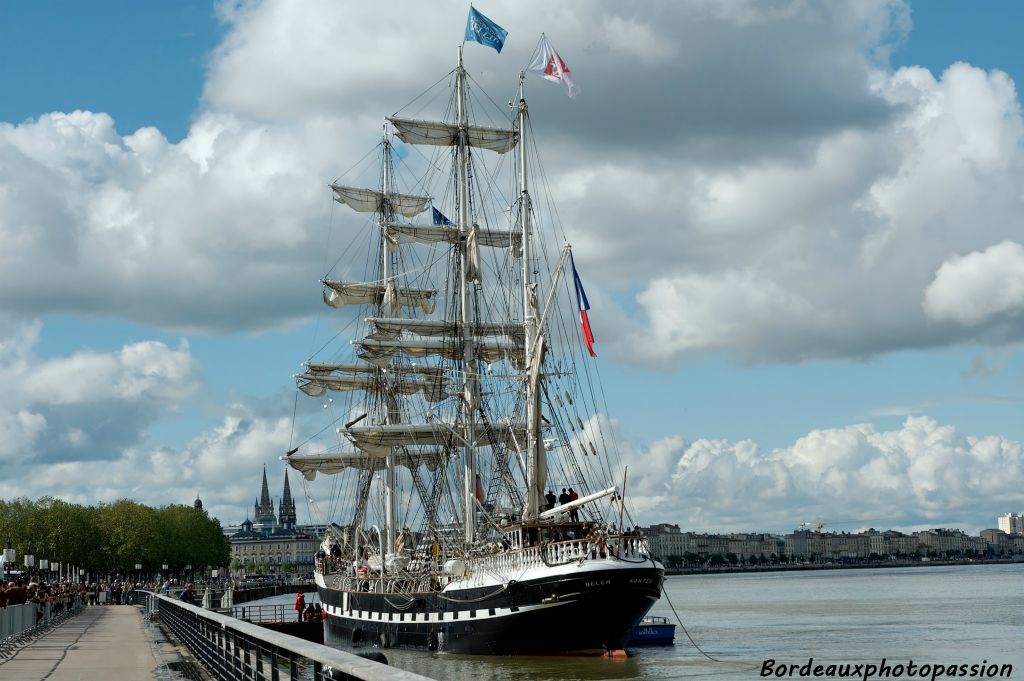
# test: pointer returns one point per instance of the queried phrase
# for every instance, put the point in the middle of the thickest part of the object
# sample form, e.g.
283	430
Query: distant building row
667	541
273	540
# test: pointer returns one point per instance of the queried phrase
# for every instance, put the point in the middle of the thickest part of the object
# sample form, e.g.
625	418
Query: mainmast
535	467
471	380
391	403
388	366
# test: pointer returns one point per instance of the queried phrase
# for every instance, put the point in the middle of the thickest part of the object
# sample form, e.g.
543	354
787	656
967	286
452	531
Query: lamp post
9	556
138	572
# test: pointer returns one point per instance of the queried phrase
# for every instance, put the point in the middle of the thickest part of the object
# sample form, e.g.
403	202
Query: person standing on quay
300	604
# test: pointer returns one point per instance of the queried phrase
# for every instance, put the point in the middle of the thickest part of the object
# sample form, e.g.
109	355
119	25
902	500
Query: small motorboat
653	631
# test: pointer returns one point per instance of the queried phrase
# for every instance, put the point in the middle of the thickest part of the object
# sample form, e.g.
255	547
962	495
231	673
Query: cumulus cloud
222	465
774	198
831	255
753	177
922	472
979	286
88	405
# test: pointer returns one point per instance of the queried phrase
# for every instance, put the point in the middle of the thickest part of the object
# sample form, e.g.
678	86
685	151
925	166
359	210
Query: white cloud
776	204
923	471
87	405
223	465
979	286
829	254
18	433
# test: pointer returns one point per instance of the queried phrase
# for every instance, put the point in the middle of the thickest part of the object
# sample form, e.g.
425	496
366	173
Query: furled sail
331	463
411	131
401	233
322	368
430	327
380	439
379	352
372	200
391	297
315	385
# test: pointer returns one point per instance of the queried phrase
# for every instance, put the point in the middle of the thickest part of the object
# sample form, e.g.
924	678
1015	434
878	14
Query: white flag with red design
547	63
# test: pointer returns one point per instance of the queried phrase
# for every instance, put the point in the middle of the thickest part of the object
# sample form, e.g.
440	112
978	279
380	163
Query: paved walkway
102	643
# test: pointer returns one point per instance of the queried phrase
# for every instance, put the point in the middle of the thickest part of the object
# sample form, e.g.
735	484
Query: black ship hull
590	612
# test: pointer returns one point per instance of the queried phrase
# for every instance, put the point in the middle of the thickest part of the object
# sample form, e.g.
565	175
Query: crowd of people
65	593
50	598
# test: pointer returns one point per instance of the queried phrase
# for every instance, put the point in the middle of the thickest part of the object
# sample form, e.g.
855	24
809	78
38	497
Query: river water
931	615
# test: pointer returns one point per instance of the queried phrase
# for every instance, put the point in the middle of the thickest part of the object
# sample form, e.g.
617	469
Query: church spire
265	516
288	517
265	493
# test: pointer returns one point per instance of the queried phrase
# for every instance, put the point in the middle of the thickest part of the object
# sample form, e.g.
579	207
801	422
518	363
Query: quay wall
864	565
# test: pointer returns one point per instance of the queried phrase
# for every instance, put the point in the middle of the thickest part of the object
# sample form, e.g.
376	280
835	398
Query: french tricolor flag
584	305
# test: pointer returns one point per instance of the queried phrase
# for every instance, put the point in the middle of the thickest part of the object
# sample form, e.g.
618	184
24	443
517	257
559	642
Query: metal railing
278	612
240	651
21	624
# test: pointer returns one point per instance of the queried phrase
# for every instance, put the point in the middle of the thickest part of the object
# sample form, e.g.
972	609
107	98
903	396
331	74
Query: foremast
463	338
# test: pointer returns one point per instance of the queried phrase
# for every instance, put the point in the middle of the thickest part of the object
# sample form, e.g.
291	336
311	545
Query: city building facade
273	541
673	546
1011	523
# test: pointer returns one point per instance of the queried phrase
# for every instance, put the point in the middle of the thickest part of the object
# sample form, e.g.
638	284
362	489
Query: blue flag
439	218
484	31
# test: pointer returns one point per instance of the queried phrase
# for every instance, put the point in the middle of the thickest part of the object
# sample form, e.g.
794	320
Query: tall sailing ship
471	403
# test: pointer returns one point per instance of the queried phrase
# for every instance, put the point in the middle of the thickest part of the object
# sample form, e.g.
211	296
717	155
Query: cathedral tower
265	516
287	518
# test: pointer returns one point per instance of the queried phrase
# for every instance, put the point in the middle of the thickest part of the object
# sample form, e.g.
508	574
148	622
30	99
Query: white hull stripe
428	617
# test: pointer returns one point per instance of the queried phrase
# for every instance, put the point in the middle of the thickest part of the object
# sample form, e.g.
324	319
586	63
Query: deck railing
239	651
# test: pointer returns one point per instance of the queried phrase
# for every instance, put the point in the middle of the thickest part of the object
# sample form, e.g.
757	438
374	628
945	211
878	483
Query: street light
44	564
9	556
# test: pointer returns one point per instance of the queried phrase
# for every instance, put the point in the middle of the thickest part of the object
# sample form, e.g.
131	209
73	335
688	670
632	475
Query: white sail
380	439
323	368
379	351
339	293
331	463
500	140
432	327
372	201
315	385
402	233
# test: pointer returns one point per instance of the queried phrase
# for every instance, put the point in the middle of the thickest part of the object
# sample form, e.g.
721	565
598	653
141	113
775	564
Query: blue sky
155	66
